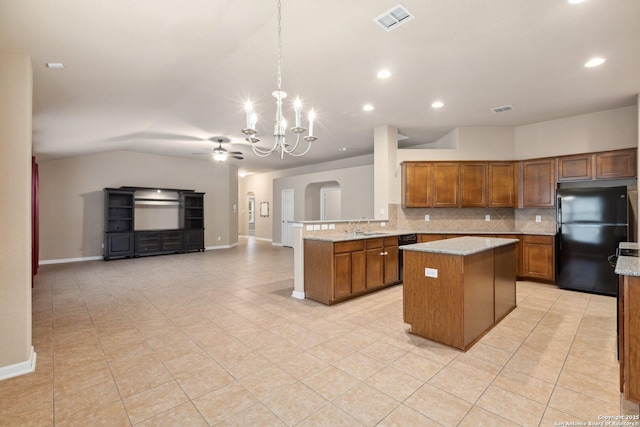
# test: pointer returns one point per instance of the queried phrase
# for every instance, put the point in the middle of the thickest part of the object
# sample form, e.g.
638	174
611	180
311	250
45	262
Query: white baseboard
213	248
262	239
20	368
298	294
276	244
66	260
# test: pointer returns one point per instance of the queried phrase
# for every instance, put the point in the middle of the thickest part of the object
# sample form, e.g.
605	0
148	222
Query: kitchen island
456	290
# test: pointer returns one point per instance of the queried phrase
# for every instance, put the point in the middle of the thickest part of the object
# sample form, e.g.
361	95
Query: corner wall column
385	148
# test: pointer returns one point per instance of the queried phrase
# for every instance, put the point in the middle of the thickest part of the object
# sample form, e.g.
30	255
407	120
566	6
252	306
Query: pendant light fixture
280	128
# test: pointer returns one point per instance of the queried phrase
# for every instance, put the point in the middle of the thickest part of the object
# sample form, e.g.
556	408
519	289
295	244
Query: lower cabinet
538	258
117	245
629	344
335	271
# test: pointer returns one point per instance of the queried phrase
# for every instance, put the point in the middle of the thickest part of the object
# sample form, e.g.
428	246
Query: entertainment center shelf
164	225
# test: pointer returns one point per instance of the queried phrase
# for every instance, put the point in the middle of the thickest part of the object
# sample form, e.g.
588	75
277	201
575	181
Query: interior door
287	218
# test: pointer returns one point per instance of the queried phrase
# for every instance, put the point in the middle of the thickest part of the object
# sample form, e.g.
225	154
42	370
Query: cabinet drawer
375	243
391	241
350	246
541	240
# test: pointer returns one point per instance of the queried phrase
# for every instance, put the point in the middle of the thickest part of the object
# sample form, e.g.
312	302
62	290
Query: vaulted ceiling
164	76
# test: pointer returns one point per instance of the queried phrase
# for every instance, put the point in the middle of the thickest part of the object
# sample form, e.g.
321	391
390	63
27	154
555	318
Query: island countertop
460	245
628	266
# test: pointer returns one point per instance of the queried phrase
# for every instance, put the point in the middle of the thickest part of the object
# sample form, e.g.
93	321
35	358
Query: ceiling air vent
502	109
394	17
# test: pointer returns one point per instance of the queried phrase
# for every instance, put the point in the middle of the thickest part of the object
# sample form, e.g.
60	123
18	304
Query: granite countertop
628	266
460	245
629	245
342	237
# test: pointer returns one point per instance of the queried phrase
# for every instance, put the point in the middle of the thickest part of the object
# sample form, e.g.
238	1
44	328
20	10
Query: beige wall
15	220
71	203
601	131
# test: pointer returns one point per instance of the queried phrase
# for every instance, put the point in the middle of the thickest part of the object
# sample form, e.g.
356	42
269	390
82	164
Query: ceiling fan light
220	156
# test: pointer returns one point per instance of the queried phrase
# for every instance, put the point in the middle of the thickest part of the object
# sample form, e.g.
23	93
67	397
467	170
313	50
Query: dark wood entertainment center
123	240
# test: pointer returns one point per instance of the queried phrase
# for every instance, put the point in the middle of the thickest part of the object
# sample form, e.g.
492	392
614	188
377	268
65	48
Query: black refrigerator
591	224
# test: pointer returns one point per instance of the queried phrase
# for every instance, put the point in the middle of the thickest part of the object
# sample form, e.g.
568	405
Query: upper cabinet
459	184
616	164
416	185
446	185
502	180
538	183
605	165
473	185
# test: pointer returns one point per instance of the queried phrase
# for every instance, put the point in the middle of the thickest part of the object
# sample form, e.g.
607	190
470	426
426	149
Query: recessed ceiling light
55	65
437	104
242	174
594	62
384	74
367	107
343	149
575	1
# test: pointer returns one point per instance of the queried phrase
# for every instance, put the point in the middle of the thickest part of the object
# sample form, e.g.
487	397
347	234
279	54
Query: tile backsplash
473	219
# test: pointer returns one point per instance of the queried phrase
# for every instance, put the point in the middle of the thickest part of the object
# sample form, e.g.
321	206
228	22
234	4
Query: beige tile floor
214	338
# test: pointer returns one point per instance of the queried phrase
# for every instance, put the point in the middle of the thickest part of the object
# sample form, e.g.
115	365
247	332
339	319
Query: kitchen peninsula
456	290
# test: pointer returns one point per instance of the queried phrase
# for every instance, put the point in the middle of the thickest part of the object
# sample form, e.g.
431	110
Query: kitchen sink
375	233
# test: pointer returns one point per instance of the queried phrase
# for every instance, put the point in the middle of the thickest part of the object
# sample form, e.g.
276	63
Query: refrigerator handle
559	215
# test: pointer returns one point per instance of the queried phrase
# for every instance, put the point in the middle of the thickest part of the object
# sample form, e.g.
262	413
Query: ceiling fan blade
236	152
201	153
237	157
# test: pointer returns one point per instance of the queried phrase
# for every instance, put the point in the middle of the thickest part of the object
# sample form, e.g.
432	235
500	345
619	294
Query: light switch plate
383	224
426	217
431	272
316	227
325	227
332	226
487	217
538	218
309	227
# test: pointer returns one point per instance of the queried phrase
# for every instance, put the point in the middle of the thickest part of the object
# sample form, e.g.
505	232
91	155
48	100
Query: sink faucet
357	230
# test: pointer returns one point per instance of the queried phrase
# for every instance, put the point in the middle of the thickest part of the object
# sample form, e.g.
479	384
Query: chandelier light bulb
297	106
220	156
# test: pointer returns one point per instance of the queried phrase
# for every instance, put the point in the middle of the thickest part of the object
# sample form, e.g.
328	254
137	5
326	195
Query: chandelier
280	128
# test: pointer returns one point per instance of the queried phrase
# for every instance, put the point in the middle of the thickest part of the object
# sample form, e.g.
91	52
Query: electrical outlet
538	218
383	224
426	218
431	272
332	226
487	217
309	227
219	238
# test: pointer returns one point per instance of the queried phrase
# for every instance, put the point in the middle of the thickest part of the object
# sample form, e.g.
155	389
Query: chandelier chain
279	45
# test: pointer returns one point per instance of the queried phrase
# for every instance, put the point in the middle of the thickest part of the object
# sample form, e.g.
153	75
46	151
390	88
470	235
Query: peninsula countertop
342	237
460	245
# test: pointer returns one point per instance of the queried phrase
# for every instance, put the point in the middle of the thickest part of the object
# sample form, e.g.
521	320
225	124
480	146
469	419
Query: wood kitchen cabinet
473	184
629	344
616	164
336	271
446	184
538	182
382	262
422	238
538	257
416	184
502	184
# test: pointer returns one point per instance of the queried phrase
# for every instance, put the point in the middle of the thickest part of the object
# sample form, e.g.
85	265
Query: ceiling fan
221	154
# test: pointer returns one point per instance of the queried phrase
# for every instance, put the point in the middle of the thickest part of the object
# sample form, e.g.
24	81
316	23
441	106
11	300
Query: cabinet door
502	184
473	185
446	184
538	259
416	185
358	271
575	168
616	164
538	183
342	278
118	245
518	251
374	277
391	271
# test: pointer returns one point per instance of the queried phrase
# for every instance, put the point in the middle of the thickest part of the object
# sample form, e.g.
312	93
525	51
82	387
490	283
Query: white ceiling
163	76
